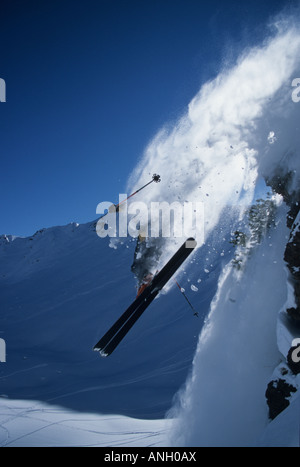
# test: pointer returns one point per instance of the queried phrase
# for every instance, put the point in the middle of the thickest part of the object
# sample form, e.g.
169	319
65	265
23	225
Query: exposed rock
294	314
277	395
285	185
280	390
292	258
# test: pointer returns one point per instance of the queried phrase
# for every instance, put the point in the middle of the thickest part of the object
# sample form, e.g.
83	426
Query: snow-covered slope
29	423
60	291
284	431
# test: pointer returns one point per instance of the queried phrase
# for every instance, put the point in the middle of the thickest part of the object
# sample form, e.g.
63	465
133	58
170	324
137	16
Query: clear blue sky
90	82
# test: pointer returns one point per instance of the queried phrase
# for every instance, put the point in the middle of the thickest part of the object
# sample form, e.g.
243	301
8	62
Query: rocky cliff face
286	380
292	258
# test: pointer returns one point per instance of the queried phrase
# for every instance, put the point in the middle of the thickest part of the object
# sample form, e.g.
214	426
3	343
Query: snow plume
240	127
213	152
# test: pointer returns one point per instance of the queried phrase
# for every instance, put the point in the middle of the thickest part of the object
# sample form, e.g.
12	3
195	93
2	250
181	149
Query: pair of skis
122	326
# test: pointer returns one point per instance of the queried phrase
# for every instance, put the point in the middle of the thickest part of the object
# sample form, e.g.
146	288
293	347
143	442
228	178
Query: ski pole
184	294
155	178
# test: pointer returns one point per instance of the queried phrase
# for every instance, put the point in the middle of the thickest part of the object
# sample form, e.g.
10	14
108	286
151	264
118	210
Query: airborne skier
150	281
146	258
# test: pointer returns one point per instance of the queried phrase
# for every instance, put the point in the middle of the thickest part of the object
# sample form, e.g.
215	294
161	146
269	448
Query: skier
146	281
146	258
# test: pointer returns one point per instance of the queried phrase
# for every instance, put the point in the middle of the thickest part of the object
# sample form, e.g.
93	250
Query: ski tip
101	352
191	243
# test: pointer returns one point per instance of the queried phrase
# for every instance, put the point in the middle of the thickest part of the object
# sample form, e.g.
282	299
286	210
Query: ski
122	326
121	321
